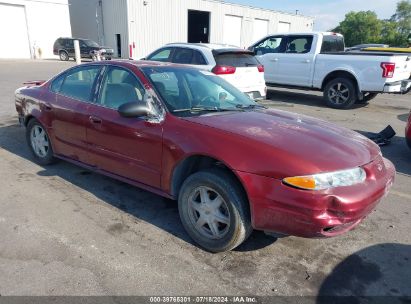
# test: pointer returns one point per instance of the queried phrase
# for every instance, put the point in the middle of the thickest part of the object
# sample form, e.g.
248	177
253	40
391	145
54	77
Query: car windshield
189	92
91	43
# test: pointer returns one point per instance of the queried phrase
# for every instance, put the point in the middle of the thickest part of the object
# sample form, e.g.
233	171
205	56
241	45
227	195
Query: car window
82	44
163	55
198	58
79	82
167	86
332	43
183	56
270	45
120	86
236	59
298	44
68	43
56	84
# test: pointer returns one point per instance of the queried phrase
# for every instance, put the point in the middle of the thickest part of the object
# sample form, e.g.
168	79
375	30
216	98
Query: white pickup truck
317	61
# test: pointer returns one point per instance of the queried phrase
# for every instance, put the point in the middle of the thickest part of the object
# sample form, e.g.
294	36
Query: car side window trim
170	56
100	84
176	49
68	72
294	37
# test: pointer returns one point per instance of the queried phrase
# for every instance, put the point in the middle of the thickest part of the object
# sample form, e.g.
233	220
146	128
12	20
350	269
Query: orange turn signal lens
303	182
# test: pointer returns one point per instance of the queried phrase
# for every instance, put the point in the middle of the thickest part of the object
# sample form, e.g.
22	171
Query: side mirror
252	49
133	109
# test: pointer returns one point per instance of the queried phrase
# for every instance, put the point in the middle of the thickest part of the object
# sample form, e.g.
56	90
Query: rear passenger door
73	92
268	52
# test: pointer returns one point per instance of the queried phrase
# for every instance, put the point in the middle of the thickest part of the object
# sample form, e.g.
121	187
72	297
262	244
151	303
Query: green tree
360	27
402	19
389	33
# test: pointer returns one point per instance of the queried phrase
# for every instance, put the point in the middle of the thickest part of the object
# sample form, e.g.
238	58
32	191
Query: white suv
239	67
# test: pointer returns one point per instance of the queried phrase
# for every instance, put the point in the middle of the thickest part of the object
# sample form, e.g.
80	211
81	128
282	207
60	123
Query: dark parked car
64	48
187	134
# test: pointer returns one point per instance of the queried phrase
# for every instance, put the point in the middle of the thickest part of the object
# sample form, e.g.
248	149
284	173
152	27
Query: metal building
134	28
28	28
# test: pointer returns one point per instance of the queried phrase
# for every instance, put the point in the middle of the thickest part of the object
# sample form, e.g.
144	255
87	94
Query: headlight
327	180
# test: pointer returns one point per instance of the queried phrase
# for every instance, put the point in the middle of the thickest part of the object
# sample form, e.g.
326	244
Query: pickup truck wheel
367	97
340	93
214	211
64	56
39	143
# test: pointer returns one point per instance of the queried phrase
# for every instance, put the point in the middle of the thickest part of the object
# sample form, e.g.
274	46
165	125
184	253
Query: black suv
64	47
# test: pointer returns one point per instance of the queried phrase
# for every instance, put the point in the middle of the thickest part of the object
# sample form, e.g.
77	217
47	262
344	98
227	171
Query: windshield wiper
251	106
206	109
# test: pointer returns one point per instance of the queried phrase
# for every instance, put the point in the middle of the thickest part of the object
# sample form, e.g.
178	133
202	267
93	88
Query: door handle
306	61
95	120
274	60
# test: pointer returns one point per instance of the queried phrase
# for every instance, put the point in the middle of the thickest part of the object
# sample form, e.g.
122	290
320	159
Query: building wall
165	21
86	19
45	22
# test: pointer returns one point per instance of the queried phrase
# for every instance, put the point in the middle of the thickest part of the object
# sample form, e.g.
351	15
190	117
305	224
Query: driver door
267	52
127	147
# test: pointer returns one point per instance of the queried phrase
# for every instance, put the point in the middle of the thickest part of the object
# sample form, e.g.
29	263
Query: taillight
388	69
223	70
260	68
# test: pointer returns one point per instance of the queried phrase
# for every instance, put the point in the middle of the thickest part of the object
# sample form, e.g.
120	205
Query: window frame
294	37
68	72
283	38
192	58
102	76
149	57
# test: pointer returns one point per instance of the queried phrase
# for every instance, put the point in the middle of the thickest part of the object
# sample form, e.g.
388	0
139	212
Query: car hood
303	144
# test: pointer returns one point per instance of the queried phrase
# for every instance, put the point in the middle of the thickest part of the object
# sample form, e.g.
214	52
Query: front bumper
276	207
401	87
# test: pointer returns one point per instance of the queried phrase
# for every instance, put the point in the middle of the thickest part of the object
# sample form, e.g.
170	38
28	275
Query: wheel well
339	74
193	164
27	119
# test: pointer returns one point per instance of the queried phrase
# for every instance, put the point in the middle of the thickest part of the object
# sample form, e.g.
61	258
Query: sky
327	13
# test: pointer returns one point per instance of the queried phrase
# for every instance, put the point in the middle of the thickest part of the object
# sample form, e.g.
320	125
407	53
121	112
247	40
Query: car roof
204	46
140	63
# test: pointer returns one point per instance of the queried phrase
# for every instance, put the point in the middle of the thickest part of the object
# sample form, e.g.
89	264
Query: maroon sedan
186	134
408	132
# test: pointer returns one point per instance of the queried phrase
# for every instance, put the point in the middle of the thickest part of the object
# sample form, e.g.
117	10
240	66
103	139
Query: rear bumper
402	87
276	207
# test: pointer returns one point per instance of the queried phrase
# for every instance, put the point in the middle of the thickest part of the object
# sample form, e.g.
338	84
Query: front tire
340	93
39	143
214	210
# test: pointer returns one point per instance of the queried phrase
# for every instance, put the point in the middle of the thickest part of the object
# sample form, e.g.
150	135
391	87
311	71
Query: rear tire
340	93
39	143
64	56
214	210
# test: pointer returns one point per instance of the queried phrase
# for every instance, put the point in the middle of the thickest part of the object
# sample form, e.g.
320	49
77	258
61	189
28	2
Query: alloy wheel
339	93
39	141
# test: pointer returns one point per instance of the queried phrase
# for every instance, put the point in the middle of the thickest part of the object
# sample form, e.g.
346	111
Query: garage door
260	29
232	30
284	27
13	32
